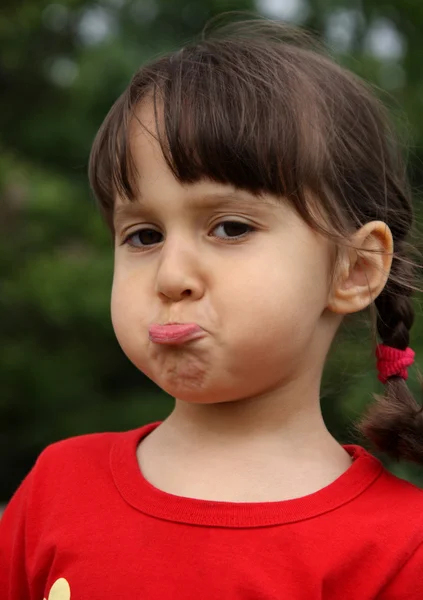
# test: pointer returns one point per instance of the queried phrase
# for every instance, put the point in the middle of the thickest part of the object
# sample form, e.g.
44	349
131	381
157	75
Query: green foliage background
61	67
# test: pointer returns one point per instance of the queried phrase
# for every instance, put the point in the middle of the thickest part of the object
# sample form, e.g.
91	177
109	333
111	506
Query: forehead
203	195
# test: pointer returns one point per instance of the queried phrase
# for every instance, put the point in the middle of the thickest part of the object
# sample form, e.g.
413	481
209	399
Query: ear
362	269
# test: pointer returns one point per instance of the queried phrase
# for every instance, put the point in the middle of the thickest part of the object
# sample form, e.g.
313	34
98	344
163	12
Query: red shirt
85	524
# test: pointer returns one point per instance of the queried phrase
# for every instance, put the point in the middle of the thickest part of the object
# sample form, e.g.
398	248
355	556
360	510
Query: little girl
256	196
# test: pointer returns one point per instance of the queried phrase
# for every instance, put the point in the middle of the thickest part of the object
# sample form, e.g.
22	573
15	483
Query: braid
395	310
394	423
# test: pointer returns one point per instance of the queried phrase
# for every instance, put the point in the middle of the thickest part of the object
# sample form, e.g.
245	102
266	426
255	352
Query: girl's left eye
232	230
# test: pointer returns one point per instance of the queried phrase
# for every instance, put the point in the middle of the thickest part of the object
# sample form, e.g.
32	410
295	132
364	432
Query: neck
276	424
247	451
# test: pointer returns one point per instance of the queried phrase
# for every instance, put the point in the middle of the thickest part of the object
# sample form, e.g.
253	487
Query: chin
191	393
188	392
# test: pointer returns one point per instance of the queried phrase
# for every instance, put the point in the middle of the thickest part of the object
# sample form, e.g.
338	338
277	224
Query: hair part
259	105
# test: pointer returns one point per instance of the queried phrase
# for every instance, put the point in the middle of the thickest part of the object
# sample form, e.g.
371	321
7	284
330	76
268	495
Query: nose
178	273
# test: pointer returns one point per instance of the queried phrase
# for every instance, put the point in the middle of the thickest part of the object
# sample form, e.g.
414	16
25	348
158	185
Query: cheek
125	312
285	295
271	324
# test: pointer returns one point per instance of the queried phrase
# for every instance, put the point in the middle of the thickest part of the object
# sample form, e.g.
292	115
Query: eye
232	230
144	237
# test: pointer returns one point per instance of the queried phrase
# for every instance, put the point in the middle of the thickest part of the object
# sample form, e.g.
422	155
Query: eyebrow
201	201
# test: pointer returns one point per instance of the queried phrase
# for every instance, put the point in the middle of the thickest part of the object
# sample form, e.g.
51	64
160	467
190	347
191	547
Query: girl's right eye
143	238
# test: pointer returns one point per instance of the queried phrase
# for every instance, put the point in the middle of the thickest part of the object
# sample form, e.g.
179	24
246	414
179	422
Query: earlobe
363	269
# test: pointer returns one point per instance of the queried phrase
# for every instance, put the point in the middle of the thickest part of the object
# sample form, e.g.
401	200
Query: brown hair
259	105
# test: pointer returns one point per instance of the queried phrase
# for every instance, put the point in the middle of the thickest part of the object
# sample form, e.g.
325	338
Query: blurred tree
62	65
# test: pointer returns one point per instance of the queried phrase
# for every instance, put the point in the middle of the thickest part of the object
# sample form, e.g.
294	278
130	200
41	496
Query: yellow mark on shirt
60	590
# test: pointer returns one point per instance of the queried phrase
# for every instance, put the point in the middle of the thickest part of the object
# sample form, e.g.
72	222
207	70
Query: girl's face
247	270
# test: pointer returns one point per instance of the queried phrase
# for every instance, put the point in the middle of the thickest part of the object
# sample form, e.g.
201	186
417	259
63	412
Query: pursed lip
174	333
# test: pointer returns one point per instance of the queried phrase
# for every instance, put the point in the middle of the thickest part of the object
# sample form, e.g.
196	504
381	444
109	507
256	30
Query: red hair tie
392	361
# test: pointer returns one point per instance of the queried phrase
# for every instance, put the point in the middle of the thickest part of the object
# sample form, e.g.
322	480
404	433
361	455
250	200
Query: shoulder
78	462
389	511
71	458
386	493
82	457
403	500
402	493
395	510
78	448
69	473
382	482
396	505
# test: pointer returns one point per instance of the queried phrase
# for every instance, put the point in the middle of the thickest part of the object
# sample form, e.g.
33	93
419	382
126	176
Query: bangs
225	123
227	112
